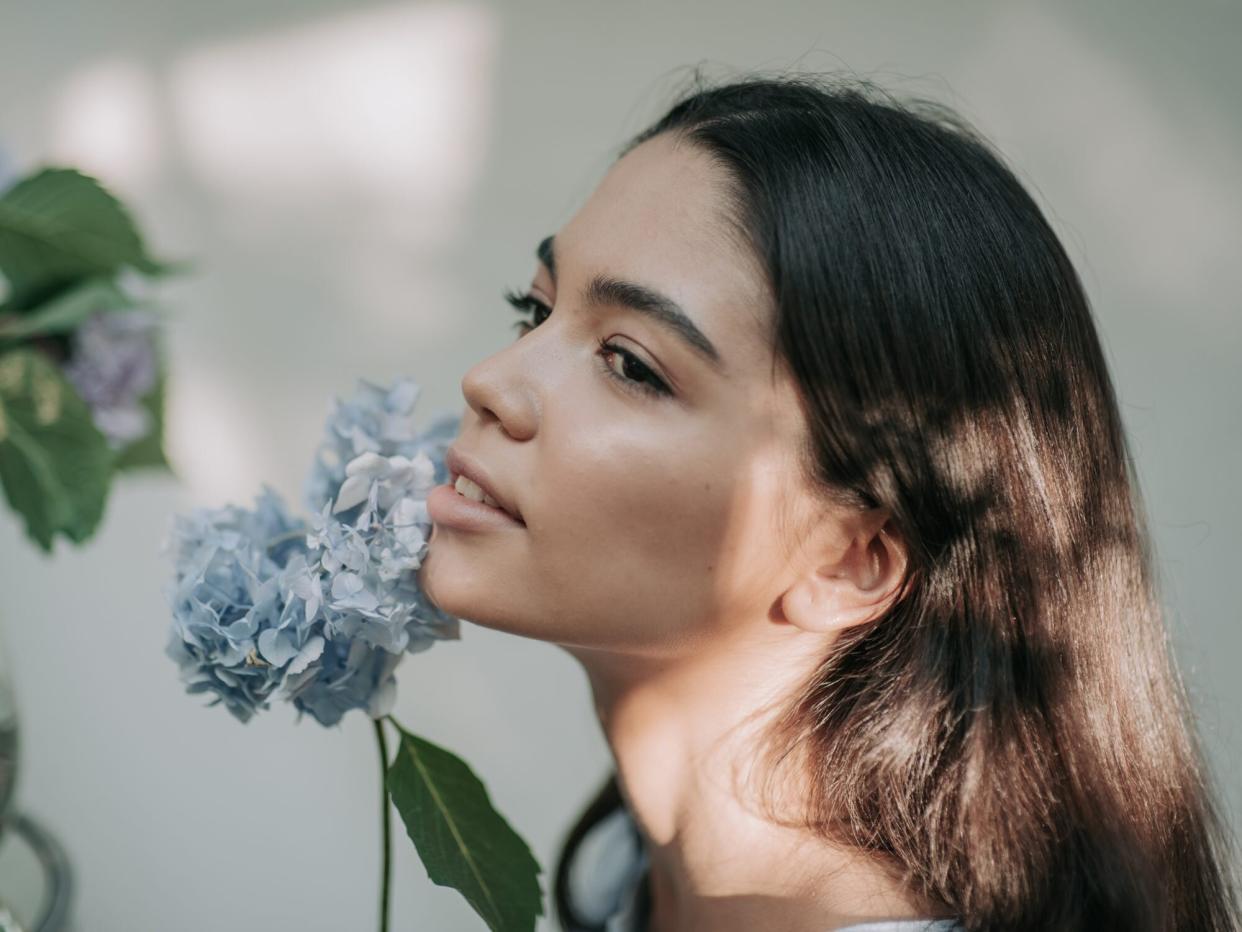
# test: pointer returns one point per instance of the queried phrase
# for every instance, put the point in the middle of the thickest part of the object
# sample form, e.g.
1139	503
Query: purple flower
112	365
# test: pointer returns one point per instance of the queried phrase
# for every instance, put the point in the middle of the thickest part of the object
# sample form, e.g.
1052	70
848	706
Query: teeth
473	492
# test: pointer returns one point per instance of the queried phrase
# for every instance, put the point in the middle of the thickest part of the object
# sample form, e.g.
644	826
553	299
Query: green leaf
60	224
148	452
463	841
162	268
65	311
55	465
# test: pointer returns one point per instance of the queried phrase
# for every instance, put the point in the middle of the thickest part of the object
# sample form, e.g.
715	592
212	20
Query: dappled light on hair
1012	738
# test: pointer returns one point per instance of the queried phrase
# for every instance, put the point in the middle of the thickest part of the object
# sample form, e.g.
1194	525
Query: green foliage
60	225
54	464
148	452
65	311
463	841
64	242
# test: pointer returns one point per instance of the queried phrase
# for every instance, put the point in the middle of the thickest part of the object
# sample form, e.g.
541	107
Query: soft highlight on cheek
656	548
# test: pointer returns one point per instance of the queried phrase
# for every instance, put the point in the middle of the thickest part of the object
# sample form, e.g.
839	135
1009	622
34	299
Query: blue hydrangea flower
112	364
318	613
375	420
369	539
349	675
233	625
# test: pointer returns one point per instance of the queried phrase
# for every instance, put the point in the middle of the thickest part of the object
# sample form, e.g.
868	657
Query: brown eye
634	375
527	304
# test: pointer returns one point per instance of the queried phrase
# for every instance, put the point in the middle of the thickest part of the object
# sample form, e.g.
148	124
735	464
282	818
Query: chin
434	580
455	587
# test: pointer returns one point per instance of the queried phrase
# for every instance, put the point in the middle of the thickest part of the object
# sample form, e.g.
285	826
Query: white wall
356	184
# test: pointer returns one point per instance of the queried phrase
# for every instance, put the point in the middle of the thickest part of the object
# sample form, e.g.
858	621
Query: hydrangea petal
309	653
277	647
353	491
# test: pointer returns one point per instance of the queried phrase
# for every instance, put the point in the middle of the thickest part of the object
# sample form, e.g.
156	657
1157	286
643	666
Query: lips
460	463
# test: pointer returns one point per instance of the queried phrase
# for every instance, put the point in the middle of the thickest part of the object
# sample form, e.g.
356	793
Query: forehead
659	217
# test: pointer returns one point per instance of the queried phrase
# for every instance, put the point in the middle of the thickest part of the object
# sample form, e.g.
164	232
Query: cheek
667	553
636	541
629	550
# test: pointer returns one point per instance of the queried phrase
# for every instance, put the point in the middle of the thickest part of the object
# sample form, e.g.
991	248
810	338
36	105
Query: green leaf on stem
59	225
463	841
55	465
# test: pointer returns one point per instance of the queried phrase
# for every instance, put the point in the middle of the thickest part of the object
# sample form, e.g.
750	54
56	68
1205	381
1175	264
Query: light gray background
357	183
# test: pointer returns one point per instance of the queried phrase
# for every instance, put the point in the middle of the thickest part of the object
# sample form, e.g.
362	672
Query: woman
808	452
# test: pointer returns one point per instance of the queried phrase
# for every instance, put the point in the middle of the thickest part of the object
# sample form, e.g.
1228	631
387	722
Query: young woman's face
652	487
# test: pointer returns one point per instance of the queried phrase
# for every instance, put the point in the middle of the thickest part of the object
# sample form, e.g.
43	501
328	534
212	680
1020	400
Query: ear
853	575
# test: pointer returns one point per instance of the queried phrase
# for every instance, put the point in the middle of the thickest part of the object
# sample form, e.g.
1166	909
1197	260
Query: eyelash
648	384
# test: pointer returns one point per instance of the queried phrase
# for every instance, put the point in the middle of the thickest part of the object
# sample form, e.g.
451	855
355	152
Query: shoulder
607	873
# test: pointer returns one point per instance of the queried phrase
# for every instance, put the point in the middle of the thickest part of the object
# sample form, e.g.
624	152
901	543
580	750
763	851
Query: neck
684	734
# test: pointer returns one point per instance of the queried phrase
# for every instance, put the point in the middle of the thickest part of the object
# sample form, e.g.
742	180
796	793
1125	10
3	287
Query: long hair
1012	738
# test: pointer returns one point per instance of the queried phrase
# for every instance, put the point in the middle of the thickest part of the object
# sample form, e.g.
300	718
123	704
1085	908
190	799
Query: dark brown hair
1012	738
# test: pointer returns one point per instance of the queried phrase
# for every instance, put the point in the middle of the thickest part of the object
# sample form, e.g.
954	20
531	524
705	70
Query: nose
497	389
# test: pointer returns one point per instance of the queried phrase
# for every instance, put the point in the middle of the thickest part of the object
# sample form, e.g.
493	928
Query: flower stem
385	823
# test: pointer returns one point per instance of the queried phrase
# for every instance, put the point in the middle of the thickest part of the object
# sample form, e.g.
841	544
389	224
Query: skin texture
671	545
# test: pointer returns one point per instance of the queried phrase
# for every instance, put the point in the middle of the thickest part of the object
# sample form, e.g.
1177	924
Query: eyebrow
605	290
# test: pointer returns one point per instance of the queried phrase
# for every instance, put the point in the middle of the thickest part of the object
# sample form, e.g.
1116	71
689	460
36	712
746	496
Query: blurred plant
81	382
320	612
81	379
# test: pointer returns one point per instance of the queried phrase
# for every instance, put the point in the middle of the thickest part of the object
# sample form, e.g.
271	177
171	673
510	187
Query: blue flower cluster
375	420
317	612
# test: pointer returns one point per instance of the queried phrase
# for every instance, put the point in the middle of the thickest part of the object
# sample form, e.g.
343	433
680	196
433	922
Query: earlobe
803	607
